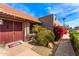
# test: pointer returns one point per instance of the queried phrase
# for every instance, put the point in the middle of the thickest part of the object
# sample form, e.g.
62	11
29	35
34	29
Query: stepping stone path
65	47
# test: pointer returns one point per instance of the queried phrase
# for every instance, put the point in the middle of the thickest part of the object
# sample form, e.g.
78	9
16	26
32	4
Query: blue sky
68	10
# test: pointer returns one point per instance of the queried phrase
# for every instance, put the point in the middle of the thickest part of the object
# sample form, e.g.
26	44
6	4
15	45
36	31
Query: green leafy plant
37	28
43	36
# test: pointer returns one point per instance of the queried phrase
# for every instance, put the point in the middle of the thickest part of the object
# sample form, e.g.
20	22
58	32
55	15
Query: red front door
18	34
10	31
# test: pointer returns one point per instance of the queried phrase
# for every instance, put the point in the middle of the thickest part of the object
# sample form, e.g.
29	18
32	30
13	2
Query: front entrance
10	31
18	33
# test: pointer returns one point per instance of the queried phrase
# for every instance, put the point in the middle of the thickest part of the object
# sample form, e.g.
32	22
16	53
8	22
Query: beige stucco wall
26	29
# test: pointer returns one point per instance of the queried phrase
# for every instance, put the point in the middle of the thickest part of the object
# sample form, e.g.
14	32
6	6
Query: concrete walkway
65	47
21	50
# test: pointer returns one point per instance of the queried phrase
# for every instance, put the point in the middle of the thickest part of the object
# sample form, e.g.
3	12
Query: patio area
20	50
26	49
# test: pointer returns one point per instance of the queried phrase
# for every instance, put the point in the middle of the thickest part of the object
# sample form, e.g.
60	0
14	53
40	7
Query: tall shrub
59	31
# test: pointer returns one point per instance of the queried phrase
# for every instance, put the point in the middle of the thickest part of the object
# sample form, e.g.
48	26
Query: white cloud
73	23
71	4
50	10
54	10
73	11
62	11
75	4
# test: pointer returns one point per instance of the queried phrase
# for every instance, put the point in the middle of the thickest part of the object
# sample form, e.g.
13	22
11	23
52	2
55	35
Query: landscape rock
50	45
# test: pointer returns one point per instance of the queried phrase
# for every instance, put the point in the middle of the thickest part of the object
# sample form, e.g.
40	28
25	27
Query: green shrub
37	28
43	36
75	39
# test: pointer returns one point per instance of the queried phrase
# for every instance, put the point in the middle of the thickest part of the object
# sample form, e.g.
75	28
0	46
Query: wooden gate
10	31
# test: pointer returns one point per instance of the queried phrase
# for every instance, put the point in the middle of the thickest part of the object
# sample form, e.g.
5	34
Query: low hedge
75	40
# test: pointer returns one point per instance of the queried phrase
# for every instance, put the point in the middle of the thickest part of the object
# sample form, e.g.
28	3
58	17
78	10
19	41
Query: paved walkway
21	50
65	47
66	36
